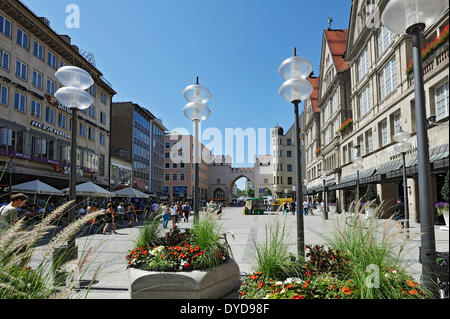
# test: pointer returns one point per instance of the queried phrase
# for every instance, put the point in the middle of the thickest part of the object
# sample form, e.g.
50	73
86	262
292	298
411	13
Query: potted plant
371	198
194	264
442	207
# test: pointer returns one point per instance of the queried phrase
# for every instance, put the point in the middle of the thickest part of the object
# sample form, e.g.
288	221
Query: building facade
35	129
178	184
381	98
137	139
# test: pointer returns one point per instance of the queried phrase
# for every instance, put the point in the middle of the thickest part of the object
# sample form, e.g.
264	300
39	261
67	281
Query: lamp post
325	199
295	70
412	17
402	147
196	110
73	95
357	166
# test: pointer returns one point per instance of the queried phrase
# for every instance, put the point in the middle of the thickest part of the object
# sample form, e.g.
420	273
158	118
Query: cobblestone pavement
112	283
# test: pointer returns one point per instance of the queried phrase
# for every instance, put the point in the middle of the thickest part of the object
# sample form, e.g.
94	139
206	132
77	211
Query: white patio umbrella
37	187
90	189
130	192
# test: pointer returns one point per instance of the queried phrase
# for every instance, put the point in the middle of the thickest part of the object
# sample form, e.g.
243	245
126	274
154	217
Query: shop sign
50	129
53	101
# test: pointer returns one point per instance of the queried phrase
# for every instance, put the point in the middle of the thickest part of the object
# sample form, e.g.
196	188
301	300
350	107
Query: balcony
435	61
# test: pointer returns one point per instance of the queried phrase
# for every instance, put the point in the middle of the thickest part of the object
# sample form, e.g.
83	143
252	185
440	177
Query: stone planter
212	284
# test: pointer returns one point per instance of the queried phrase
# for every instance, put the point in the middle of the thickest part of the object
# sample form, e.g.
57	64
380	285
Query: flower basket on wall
345	126
431	48
318	150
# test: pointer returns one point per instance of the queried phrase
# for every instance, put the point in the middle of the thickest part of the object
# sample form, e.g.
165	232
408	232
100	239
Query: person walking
285	208
131	213
186	212
120	214
110	216
173	215
165	214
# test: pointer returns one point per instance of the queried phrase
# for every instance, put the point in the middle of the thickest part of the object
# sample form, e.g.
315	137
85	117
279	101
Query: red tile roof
315	94
337	41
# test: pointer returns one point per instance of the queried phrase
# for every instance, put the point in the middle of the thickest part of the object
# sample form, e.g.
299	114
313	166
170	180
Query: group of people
175	211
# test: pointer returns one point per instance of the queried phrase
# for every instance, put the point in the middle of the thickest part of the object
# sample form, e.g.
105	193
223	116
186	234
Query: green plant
272	256
372	243
371	196
445	190
150	231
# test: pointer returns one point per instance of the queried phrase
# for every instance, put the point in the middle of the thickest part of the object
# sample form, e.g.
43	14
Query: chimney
45	21
66	38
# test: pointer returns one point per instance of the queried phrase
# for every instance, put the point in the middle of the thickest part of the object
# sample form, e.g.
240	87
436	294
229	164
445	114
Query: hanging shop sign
50	129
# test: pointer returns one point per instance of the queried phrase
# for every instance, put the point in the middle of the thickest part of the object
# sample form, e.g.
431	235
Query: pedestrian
186	212
173	215
110	216
131	214
179	212
165	214
8	213
285	208
120	213
293	208
399	214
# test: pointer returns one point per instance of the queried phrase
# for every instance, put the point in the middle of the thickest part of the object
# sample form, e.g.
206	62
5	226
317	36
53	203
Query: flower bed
348	123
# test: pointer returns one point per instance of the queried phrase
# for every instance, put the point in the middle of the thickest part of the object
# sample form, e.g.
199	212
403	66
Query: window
174	165
334	104
49	115
102	139
365	102
92	112
92	91
289	154
35	109
3	95
327	137
5	26
336	125
182	177
167	177
289	180
363	64
38	50
167	165
103	98
385	38
369	142
396	123
51	60
21	70
62	120
388	78
289	167
20	102
383	129
442	101
37	79
288	142
61	64
23	39
167	155
175	177
51	87
102	118
4	60
82	130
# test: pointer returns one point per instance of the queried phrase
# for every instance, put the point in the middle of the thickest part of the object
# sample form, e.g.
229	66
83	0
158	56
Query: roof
315	94
337	42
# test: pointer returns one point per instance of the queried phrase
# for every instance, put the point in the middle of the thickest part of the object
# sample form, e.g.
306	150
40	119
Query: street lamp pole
412	17
296	88
196	110
324	197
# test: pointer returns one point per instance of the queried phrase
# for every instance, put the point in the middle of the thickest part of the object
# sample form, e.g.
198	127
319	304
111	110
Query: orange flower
412	283
332	287
305	286
412	292
346	290
260	285
289	286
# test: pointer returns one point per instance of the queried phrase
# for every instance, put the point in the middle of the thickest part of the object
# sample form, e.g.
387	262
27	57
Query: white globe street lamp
412	17
196	110
296	70
402	147
73	95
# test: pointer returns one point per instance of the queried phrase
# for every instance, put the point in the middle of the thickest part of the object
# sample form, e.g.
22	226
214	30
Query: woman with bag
110	216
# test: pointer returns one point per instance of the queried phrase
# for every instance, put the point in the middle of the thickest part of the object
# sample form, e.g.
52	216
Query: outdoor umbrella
130	193
90	189
37	187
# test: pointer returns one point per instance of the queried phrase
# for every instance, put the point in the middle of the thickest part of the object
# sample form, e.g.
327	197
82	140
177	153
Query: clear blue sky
151	50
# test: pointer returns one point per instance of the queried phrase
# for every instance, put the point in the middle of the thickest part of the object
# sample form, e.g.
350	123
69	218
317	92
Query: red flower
298	297
261	284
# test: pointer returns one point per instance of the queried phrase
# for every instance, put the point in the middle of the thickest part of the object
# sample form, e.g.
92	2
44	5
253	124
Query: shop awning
351	180
37	187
